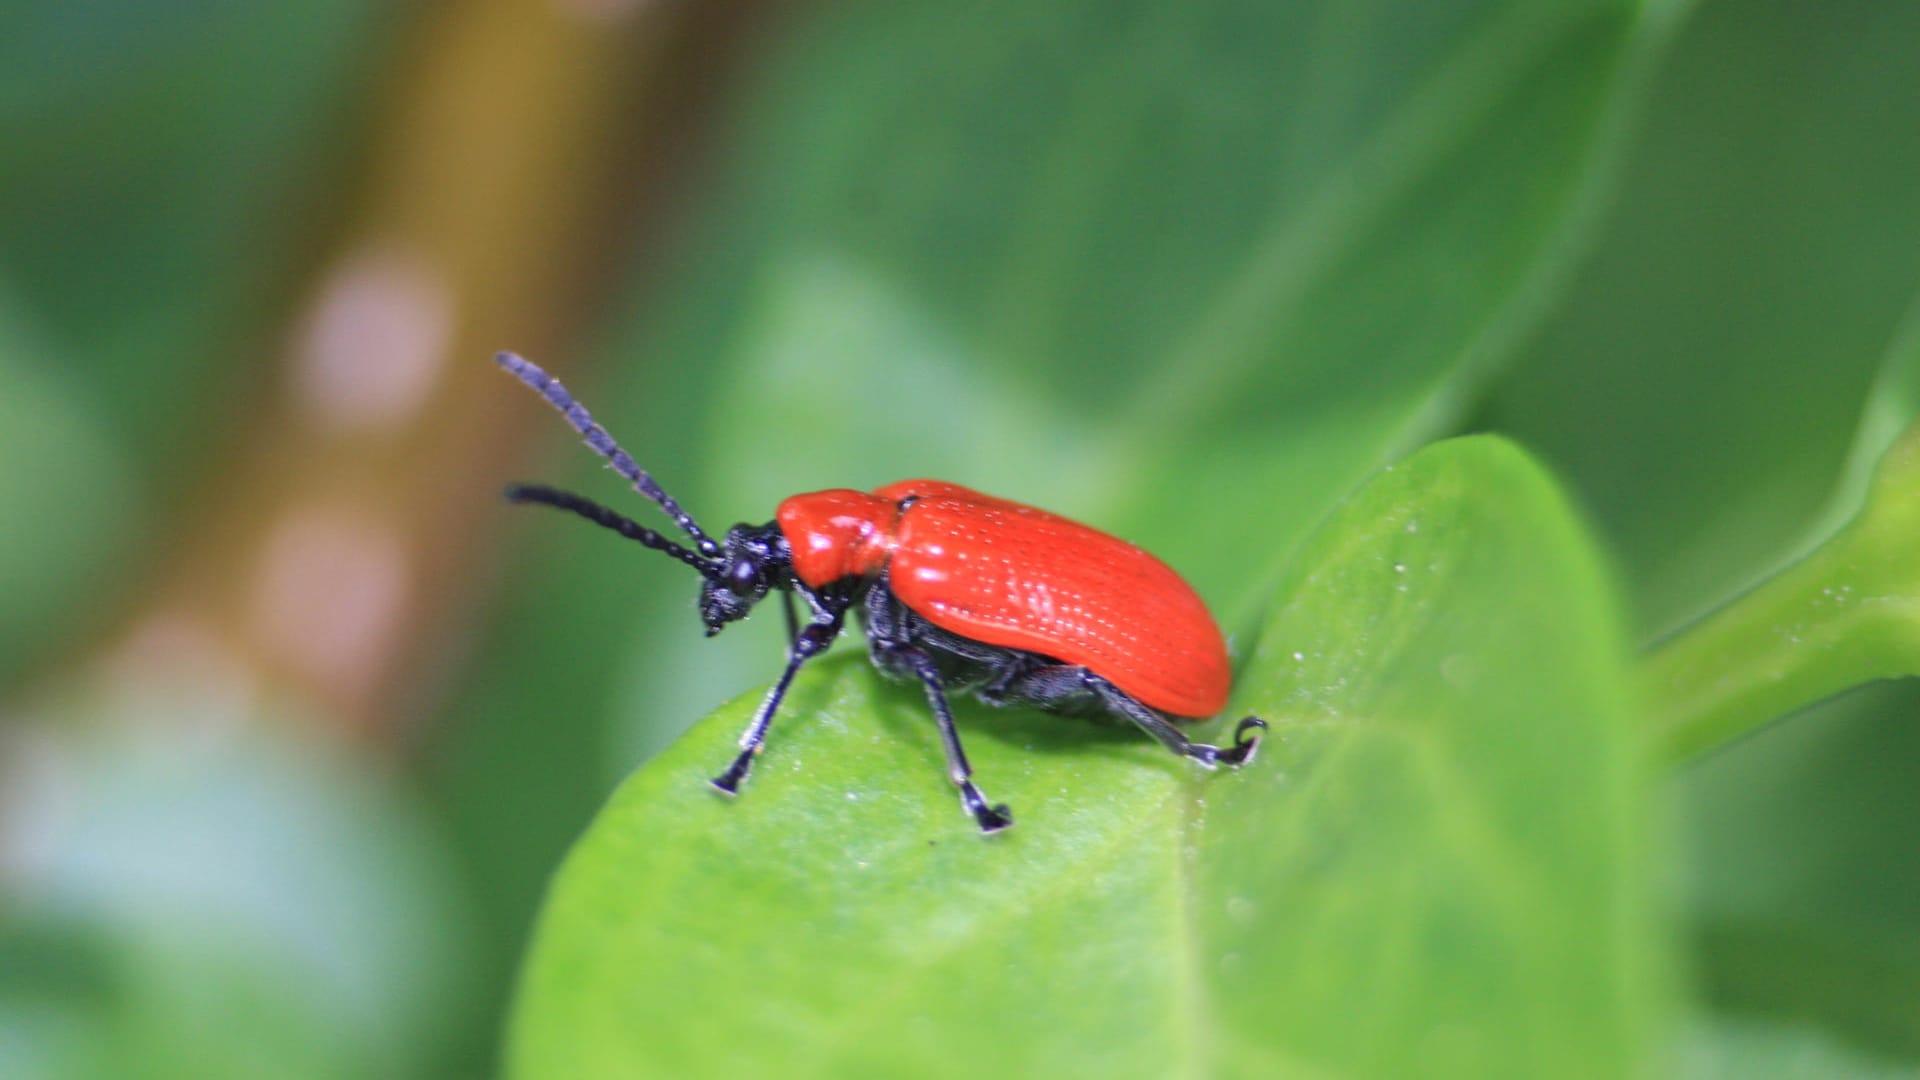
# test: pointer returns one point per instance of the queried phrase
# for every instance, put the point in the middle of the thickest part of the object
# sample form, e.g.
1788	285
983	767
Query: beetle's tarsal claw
995	819
992	819
1245	743
1241	752
728	783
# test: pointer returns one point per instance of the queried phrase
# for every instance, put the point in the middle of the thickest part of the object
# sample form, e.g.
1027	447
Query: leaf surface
1436	862
1721	359
1132	262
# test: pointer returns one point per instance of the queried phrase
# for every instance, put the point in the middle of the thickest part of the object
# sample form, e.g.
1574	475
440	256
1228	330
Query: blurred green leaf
1719	384
1859	989
68	491
1847	614
1802	880
156	164
1735	1050
1711	370
1179	250
1437	865
154	160
198	892
1127	261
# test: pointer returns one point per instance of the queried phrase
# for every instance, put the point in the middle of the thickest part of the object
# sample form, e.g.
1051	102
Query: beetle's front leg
809	643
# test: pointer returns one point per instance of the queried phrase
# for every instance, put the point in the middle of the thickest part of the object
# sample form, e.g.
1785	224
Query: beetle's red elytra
1011	575
956	590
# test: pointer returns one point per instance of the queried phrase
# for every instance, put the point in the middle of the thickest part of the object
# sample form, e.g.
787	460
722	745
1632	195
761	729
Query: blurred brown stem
326	558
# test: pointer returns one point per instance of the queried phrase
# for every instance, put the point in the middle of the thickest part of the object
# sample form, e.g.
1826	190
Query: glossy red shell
1014	576
837	533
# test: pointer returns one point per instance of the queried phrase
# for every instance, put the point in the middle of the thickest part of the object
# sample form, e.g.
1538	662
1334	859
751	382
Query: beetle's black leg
1172	737
793	621
991	818
810	643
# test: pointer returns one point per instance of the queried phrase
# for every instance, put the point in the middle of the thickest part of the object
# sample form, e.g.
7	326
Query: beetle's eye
741	577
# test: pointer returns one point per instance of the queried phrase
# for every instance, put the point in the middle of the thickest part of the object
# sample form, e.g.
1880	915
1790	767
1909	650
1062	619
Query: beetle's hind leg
990	818
1171	737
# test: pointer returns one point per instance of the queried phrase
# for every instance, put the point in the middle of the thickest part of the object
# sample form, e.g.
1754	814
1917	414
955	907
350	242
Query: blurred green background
296	719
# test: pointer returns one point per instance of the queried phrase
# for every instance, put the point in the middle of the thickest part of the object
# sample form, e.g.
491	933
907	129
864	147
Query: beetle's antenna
603	444
600	515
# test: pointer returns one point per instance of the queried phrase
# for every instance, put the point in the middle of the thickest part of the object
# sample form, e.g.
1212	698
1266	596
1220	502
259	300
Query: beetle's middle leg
991	818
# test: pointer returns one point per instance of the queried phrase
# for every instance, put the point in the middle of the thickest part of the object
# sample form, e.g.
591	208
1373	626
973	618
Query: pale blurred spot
375	341
603	12
172	656
34	794
329	595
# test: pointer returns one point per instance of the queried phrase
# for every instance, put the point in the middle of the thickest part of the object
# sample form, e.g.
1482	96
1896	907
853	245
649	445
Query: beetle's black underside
994	674
905	645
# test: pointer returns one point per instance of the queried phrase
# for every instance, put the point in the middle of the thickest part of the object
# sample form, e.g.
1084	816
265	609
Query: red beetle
957	590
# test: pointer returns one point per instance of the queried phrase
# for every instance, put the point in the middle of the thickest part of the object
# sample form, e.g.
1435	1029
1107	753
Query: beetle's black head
751	562
754	561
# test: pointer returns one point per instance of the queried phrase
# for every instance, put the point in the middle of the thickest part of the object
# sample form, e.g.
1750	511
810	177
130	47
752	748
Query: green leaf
1858	986
1737	1050
1708	374
1129	261
1801	872
156	166
1242	294
67	484
1718	384
1175	251
198	886
1436	865
153	162
1847	614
